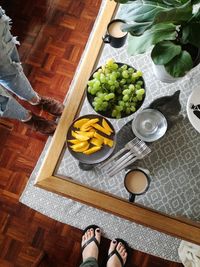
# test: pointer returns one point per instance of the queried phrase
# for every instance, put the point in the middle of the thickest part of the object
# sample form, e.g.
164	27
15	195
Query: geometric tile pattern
174	162
173	165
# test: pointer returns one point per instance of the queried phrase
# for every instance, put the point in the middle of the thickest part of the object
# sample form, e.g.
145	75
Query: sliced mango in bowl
90	135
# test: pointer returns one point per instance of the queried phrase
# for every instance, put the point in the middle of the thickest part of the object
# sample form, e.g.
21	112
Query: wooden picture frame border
178	227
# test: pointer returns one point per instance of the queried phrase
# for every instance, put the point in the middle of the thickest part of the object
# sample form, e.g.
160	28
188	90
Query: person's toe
98	234
113	245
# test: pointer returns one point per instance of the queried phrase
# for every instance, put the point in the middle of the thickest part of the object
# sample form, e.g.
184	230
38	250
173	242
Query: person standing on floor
117	253
13	79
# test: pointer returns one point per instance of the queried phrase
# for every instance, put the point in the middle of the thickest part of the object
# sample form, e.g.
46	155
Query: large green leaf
122	1
179	65
139	13
157	33
175	14
165	51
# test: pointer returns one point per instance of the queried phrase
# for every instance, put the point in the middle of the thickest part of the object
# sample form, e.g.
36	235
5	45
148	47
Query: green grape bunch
116	90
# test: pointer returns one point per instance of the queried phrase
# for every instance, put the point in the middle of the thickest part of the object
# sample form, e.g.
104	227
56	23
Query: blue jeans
12	77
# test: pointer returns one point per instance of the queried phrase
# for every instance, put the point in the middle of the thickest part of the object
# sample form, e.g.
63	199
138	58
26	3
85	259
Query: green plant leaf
123	1
195	2
175	14
136	28
153	12
192	29
185	34
179	65
174	2
143	11
157	33
165	51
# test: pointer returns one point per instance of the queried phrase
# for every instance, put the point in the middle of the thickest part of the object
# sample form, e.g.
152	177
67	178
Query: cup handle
106	39
131	197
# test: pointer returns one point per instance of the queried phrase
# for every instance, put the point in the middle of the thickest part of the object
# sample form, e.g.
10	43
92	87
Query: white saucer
193	106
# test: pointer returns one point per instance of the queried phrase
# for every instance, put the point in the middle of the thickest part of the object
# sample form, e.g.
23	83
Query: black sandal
115	252
94	227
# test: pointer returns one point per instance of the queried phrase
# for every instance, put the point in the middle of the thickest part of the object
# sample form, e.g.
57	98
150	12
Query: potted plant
170	27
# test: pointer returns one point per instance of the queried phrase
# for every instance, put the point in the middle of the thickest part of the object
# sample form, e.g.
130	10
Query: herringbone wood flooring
53	34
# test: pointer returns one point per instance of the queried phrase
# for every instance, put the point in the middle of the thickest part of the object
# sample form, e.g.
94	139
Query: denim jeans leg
12	76
10	108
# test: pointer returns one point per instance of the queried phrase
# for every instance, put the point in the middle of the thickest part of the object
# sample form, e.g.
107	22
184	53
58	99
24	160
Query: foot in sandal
117	253
90	242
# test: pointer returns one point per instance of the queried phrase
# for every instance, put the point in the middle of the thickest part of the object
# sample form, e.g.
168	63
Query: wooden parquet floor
53	34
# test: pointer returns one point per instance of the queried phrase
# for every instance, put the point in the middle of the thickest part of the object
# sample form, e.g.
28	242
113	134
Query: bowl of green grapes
116	90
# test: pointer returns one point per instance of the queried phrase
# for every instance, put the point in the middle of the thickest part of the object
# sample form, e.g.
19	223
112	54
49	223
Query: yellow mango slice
74	141
92	130
81	148
92	150
96	141
99	136
87	134
106	126
88	124
79	123
79	136
80	145
101	129
108	142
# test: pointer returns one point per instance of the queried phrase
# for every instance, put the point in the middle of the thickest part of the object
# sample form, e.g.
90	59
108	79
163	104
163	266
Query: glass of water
149	125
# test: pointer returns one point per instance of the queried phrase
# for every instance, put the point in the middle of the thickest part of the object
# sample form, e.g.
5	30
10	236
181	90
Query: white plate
193	109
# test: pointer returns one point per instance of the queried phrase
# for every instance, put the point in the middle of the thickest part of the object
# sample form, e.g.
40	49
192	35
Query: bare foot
114	260
91	250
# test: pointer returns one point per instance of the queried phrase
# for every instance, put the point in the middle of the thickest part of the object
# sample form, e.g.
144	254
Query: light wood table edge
45	179
76	93
120	207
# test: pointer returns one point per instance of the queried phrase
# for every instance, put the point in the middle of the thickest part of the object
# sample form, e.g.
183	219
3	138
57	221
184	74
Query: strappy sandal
94	227
115	252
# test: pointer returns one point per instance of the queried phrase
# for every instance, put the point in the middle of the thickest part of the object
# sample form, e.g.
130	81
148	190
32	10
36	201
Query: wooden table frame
179	227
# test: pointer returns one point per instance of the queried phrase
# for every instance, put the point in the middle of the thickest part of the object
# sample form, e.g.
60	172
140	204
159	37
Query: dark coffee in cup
136	183
115	36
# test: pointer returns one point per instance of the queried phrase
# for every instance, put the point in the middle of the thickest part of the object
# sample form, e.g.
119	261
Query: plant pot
161	73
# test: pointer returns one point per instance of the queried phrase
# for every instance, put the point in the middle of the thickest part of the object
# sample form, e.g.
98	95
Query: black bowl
108	113
98	156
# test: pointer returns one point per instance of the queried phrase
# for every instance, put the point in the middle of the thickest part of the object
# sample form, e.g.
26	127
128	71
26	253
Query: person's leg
90	250
117	254
90	262
10	108
11	72
12	76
